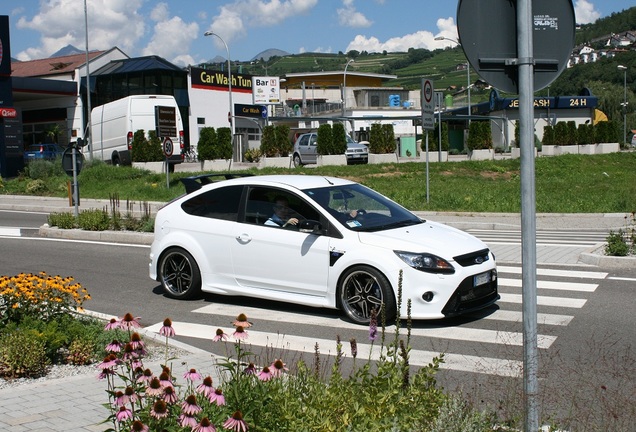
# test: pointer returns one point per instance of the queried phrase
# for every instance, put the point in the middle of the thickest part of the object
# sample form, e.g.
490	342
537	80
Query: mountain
272	52
67	50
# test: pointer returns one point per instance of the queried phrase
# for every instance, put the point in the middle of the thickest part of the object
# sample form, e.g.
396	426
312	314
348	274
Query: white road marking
556	272
545	301
541	284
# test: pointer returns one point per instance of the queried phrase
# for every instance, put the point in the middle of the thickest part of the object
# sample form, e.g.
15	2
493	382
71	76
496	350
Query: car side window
220	203
313	140
262	202
304	140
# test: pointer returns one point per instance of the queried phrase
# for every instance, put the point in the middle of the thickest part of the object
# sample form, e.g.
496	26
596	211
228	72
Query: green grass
564	184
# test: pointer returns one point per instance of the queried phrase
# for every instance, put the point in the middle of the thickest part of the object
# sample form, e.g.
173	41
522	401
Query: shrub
36	187
22	355
324	145
382	139
223	149
433	138
283	144
206	144
93	220
144	149
479	136
65	220
252	155
339	137
268	141
616	244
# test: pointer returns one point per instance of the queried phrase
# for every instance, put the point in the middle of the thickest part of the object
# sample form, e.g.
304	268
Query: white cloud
60	23
160	12
172	37
234	18
348	16
585	13
421	39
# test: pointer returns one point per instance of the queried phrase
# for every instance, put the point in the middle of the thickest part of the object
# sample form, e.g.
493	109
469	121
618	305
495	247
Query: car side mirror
310	227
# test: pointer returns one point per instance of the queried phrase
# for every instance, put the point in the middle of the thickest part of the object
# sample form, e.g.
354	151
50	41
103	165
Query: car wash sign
265	90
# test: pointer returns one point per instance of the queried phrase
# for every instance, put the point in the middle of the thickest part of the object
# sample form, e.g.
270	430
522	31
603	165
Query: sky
174	29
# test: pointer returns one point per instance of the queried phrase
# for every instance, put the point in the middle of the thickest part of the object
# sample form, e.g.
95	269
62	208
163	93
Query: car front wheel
179	274
297	161
363	289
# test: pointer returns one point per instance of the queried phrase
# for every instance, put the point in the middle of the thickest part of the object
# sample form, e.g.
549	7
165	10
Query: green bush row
101	220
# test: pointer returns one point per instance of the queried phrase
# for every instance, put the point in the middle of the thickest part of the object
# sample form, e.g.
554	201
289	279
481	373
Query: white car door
280	260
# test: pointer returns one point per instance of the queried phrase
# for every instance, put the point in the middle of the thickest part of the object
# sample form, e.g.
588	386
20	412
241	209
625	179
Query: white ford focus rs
317	241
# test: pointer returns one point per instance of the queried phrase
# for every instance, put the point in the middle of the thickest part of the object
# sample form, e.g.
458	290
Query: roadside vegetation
564	184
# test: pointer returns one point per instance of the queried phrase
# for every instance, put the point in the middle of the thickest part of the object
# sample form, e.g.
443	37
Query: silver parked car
305	150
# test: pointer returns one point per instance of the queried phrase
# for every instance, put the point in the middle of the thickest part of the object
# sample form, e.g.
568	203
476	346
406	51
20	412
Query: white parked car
306	150
317	241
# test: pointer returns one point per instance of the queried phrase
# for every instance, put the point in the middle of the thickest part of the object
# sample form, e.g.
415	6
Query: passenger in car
281	217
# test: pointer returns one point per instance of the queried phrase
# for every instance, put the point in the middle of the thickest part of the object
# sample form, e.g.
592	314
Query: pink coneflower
165	379
109	362
123	414
120	398
250	369
204	426
167	329
241	321
145	376
278	368
137	343
159	409
236	422
170	395
265	374
112	324
217	397
192	375
186	420
138	426
220	336
129	322
129	353
205	388
190	406
240	333
114	346
106	372
154	388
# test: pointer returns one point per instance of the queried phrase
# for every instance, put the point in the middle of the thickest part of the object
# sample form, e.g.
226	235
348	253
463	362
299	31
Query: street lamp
624	69
229	80
344	88
439	38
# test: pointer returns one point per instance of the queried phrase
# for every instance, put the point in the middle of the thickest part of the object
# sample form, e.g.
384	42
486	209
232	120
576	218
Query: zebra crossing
574	239
491	336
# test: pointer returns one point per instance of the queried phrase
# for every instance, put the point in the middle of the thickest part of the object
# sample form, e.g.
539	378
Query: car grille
356	151
473	258
468	298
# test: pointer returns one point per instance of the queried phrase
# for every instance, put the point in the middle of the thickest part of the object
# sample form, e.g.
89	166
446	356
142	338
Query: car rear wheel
297	161
179	274
362	289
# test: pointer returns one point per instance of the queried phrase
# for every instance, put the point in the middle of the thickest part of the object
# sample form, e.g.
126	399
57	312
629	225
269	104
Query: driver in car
281	217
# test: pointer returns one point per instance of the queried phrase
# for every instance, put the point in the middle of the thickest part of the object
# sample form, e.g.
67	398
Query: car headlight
426	262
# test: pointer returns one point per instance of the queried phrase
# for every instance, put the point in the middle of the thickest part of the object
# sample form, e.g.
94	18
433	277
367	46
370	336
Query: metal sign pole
75	186
528	213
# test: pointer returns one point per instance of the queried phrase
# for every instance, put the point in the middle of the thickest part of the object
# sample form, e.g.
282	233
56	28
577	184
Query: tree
223	149
325	139
268	141
339	139
206	143
283	143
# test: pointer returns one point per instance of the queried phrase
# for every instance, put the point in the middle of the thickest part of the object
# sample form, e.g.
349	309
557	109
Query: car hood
431	237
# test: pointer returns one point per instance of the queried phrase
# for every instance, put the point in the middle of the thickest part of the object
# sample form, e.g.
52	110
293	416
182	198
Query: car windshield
359	208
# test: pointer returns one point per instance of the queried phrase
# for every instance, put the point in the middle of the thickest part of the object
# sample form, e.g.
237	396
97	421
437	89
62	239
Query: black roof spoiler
194	183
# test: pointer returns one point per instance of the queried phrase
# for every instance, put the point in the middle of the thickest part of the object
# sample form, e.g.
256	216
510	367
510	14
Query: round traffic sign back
488	35
67	161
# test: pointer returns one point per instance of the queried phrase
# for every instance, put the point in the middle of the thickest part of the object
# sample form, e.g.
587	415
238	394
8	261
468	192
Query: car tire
297	161
363	288
179	274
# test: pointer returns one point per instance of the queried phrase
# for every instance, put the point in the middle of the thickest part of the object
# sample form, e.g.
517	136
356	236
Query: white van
114	124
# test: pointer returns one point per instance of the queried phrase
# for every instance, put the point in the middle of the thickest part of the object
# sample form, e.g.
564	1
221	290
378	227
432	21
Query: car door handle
244	238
